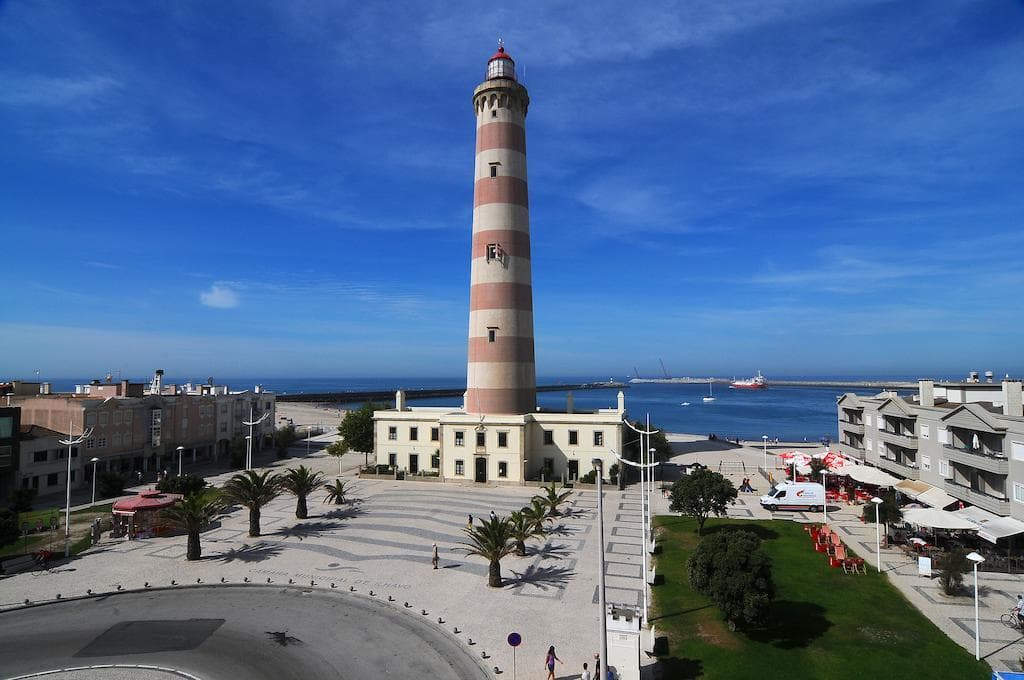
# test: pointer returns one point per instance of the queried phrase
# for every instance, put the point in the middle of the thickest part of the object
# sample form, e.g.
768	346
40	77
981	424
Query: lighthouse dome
501	65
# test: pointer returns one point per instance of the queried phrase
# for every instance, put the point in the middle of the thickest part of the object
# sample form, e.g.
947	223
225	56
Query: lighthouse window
494	169
494	114
492	333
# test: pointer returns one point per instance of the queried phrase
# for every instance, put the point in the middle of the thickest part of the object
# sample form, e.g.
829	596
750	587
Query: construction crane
663	368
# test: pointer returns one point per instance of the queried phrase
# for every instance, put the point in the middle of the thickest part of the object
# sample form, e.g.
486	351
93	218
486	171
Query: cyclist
1019	611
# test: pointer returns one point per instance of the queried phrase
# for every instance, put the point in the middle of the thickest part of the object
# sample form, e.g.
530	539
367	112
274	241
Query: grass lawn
824	623
81	520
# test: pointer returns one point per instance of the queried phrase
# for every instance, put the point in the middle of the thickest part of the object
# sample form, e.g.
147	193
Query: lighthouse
501	373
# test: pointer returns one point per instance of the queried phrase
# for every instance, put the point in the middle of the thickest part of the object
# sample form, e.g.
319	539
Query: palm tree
553	498
336	492
537	512
253	490
300	482
491	539
193	514
524	527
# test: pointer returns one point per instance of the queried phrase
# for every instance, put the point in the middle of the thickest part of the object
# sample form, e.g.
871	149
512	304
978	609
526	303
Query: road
231	632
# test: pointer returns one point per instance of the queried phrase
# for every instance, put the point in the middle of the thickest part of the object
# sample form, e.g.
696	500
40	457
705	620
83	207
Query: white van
795	496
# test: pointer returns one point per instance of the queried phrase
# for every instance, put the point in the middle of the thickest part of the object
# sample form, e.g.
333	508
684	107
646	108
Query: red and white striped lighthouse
501	373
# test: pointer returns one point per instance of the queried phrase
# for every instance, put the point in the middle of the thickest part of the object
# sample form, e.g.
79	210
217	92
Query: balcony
982	460
899	468
857	453
996	504
907	441
856	428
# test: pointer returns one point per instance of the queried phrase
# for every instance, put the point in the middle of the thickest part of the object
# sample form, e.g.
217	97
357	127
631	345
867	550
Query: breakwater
360	396
855	384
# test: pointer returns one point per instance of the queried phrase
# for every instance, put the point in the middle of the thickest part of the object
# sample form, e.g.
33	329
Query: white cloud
219	296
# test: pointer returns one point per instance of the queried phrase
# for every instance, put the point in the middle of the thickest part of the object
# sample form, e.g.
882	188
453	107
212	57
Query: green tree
954	565
492	540
524	527
186	485
537	512
193	514
336	492
21	499
9	530
109	484
300	482
731	568
253	490
553	498
888	510
817	466
701	494
337	449
283	438
236	452
356	428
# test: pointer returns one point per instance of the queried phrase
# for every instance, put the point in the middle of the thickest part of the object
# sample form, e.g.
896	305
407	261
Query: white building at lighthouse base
457	446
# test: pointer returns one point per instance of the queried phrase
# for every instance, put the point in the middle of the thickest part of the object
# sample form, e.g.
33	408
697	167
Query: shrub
9	531
187	485
283	438
701	494
954	565
21	499
613	473
589	478
109	484
236	453
731	568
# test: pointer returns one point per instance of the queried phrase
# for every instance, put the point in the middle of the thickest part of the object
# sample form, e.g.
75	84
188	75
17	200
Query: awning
147	500
865	474
991	527
937	519
925	493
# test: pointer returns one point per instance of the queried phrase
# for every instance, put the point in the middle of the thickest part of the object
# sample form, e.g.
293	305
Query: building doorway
481	469
574	470
414	463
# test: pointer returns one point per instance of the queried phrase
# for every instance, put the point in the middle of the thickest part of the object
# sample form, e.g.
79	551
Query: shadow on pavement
552	552
303	530
542	577
248	553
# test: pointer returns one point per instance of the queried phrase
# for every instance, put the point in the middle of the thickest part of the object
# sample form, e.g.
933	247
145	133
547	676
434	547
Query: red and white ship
758	382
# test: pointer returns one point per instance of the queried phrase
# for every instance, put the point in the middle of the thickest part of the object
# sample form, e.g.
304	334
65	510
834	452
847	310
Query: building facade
965	438
499	435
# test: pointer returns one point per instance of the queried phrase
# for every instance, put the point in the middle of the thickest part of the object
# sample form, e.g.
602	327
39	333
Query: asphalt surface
226	633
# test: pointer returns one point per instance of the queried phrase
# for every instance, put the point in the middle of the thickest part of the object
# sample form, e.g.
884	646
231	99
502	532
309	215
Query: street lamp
764	438
878	543
250	423
600	561
94	461
71	441
644	519
309	436
824	502
181	452
977	559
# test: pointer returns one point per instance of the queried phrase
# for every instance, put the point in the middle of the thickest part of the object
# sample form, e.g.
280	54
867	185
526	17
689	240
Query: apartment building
965	438
10	422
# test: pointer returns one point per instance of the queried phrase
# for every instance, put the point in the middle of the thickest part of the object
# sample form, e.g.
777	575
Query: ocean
789	413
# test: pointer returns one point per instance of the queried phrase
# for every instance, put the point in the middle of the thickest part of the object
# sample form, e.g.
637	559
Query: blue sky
285	188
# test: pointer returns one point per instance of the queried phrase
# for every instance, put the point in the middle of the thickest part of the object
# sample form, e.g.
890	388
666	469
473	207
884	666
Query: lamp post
977	559
824	502
248	448
600	561
71	442
644	528
878	542
181	452
94	461
309	435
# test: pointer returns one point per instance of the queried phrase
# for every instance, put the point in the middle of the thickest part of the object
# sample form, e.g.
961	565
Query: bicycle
1011	620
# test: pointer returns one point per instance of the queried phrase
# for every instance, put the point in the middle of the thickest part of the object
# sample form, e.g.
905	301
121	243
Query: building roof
37	432
500	54
147	500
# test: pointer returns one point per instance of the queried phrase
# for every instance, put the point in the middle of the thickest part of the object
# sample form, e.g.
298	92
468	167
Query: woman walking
549	662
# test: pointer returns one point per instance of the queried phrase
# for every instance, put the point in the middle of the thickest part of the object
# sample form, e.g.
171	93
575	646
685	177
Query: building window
943	435
503	440
103	418
869	444
115	441
117	417
51	479
435	434
1018	492
481	439
867	419
460	438
494	169
599	438
460	467
392	433
926	463
40	456
502	469
414	433
492	334
435	461
127	417
101	443
944	468
549	437
90	443
393	459
926	431
90	420
574	438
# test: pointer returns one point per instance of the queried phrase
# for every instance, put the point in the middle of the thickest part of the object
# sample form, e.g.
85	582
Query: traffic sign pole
514	640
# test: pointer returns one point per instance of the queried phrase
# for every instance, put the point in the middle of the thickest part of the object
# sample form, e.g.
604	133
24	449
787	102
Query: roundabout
227	632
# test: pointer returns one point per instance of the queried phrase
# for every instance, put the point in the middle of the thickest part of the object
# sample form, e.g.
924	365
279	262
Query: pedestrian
493	516
469	523
585	675
597	666
549	662
433	556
